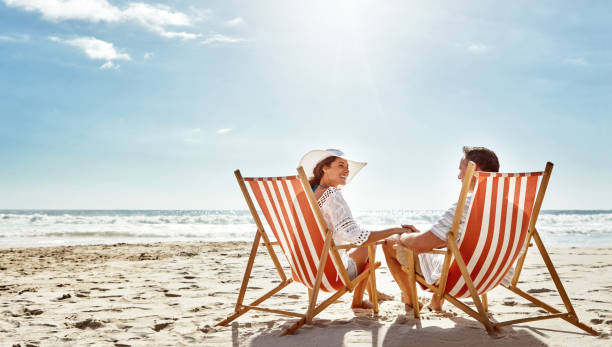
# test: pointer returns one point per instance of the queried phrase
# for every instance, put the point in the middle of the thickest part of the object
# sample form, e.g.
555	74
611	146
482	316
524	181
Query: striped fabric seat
501	222
496	230
290	216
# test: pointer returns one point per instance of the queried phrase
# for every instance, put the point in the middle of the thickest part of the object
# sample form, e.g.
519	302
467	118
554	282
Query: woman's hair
318	170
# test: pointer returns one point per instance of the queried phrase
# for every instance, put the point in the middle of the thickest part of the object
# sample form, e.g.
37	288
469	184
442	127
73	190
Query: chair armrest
433	251
380	242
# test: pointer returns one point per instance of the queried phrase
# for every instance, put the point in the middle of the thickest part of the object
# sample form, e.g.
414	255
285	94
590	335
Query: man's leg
396	268
436	302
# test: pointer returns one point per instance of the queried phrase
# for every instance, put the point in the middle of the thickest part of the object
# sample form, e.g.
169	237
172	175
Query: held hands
400	233
408	234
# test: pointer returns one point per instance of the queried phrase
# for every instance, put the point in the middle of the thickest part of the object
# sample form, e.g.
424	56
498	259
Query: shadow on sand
368	331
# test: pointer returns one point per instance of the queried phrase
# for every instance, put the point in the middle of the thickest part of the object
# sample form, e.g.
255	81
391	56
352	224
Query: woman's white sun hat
312	158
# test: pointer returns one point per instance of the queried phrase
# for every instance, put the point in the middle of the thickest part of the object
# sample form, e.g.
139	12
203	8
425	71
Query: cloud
109	65
96	49
173	34
55	10
157	17
576	61
15	38
477	48
217	39
224	131
234	22
154	17
148	55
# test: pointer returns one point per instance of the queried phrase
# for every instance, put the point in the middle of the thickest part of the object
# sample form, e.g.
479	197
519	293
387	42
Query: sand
174	293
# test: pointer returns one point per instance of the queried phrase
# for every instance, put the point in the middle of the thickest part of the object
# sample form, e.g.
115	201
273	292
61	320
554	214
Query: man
430	265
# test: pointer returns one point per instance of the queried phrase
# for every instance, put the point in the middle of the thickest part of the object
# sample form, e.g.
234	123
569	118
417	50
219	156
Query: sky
108	104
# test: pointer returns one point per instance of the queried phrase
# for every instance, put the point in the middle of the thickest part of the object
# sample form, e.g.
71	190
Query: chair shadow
465	332
323	332
402	332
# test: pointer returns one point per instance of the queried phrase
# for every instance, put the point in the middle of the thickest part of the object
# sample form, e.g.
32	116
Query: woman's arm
338	215
383	234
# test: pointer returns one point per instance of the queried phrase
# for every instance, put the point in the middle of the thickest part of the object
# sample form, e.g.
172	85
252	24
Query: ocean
35	228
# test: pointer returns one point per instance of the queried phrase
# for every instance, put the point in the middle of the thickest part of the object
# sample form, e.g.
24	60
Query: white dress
339	218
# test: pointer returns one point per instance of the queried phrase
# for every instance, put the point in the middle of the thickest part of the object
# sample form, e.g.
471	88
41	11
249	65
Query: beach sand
174	293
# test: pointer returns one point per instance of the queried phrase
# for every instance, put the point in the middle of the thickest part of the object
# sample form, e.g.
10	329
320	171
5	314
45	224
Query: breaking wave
19	227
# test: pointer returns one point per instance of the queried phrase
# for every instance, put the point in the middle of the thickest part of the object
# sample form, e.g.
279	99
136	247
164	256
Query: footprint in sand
33	290
539	290
88	323
100	289
509	303
64	296
161	326
198	309
5	287
34	312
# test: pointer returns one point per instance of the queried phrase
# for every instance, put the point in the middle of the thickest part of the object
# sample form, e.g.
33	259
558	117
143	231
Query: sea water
34	228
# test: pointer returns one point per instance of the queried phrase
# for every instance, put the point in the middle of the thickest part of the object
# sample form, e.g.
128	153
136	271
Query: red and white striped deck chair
292	213
501	223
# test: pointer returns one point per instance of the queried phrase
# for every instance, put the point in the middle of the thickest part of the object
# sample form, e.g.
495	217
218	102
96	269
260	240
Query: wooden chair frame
452	252
261	237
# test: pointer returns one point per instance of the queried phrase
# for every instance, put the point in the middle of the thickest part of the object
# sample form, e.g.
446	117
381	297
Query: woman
327	170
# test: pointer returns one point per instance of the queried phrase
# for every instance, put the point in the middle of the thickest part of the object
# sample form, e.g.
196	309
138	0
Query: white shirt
431	264
339	218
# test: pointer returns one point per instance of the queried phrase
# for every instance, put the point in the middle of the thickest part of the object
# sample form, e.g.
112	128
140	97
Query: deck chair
502	215
293	215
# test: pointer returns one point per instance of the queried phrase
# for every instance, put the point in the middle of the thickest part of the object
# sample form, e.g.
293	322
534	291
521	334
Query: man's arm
421	242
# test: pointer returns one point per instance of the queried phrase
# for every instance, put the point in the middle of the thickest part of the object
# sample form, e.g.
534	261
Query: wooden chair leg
485	302
242	309
468	282
317	309
573	319
412	285
247	272
294	327
371	269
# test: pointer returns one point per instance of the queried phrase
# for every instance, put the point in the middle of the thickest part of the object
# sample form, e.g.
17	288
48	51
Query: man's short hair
483	157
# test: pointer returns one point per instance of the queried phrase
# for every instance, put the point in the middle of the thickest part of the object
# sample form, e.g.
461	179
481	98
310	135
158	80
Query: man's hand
410	228
405	239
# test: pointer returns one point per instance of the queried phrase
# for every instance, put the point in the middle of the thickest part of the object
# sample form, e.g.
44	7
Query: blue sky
118	104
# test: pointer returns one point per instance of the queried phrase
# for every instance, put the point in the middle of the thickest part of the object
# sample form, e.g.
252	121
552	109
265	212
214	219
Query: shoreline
171	293
172	241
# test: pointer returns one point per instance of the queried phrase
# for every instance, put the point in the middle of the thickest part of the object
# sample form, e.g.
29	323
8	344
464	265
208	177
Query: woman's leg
360	257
